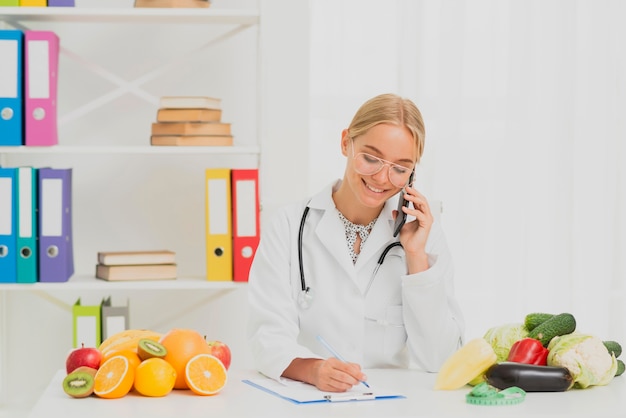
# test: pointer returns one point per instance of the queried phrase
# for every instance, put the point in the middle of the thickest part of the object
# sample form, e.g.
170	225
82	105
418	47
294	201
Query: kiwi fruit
147	348
80	382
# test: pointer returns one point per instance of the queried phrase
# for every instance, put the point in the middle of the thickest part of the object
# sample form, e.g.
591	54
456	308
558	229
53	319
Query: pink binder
41	63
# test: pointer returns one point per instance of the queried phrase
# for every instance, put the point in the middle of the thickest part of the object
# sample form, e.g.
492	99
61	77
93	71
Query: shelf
67	149
87	282
129	15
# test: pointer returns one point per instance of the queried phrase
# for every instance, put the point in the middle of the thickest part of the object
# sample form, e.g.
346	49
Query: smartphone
401	218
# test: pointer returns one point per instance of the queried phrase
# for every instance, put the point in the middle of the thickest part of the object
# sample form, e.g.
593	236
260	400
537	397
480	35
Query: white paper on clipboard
300	392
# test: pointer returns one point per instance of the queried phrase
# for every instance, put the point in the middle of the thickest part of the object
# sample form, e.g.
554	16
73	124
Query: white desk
238	399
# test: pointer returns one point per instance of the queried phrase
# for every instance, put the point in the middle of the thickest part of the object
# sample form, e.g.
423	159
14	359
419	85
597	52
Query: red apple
83	356
221	351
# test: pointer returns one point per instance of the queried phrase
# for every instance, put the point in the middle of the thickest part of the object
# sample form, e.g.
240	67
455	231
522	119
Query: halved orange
131	355
205	374
114	378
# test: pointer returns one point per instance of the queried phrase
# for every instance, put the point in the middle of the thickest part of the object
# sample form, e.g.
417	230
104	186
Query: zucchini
532	320
561	324
614	348
620	367
529	377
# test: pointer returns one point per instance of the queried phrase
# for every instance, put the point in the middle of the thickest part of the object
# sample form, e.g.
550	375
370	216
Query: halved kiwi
79	383
147	348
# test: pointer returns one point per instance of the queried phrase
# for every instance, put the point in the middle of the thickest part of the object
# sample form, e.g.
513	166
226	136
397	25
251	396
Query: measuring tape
485	394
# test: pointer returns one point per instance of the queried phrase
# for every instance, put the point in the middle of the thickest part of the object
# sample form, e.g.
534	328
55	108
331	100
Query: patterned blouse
352	230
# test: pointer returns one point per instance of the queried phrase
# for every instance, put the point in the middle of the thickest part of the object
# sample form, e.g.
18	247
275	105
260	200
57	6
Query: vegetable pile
545	353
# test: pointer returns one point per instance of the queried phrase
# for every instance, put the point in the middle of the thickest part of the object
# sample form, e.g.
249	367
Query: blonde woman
329	271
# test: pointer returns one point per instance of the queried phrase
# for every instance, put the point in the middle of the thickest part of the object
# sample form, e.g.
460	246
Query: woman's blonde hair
391	109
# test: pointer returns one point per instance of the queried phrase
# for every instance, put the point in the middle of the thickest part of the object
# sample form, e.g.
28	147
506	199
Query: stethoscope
306	295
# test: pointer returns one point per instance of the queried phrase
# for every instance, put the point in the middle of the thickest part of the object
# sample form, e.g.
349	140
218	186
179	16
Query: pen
332	351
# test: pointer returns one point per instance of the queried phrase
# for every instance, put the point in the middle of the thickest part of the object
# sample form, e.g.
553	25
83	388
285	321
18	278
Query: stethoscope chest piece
305	297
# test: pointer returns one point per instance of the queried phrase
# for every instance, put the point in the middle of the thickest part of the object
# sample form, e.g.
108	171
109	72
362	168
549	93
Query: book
172	3
190	128
186	102
116	258
136	272
192	140
189	115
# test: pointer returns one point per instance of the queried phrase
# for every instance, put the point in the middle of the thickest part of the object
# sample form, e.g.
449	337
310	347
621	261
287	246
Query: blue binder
11	87
8	241
27	254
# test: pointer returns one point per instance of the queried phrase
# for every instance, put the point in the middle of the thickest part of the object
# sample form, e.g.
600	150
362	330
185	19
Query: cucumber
620	367
532	320
529	377
561	324
614	347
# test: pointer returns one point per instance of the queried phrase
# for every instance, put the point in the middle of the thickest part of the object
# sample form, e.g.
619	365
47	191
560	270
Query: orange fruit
114	378
181	345
205	374
133	358
154	377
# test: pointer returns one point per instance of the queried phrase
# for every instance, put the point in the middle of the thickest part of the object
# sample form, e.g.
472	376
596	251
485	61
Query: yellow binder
33	3
219	237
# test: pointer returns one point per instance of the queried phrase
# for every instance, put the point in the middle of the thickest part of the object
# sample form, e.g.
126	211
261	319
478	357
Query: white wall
524	146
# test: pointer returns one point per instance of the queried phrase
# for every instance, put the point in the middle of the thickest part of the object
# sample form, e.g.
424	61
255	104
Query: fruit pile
148	363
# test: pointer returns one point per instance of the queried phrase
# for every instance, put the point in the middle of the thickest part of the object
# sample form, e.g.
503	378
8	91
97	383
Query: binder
9	3
219	238
114	319
11	85
61	3
245	220
86	325
27	225
8	240
56	257
33	3
41	62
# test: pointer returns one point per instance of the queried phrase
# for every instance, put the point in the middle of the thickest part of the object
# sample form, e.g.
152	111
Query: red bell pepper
528	351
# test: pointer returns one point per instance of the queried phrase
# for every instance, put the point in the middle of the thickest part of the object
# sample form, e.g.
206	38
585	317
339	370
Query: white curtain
524	103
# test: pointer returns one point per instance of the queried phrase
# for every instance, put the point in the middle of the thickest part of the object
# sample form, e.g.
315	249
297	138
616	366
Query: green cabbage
586	358
502	337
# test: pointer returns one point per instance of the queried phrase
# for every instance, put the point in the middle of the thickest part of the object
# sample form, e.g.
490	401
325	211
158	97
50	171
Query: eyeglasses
368	165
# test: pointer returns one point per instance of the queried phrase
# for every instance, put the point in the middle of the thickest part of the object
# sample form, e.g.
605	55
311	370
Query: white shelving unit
232	23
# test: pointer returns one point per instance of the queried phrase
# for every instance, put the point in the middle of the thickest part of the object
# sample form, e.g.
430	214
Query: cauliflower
586	358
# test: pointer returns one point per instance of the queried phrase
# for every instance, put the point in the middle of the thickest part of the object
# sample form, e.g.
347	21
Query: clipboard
304	393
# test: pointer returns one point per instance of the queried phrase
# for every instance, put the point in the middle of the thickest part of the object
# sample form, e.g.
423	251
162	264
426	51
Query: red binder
246	229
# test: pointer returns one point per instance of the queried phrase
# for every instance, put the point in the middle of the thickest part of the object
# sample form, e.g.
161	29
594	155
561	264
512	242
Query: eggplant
529	377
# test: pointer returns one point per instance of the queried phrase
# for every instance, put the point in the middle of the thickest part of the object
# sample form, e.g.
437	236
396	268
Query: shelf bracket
132	86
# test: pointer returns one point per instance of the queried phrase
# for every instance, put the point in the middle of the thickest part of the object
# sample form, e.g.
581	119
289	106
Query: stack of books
172	3
136	265
191	121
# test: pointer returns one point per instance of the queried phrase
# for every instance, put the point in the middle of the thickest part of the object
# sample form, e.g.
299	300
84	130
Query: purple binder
60	3
56	250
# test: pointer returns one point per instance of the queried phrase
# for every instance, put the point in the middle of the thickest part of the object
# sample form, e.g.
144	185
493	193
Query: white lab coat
400	318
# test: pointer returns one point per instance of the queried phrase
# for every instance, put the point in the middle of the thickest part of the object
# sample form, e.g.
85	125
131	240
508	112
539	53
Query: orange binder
219	237
246	230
